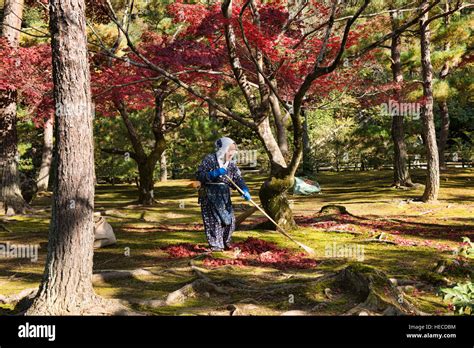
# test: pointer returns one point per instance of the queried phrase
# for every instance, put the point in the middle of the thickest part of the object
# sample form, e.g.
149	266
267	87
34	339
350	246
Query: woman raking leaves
214	194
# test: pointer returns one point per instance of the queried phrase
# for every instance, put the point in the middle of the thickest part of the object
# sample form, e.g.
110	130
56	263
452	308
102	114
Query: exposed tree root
376	292
98	306
181	295
107	275
14	299
93	305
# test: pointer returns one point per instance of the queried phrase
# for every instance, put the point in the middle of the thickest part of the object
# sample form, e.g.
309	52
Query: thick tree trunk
432	180
280	125
146	183
443	132
47	156
66	288
274	199
11	200
274	190
401	173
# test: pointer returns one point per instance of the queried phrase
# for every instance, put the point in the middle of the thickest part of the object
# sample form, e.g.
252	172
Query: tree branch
400	30
132	133
234	61
458	7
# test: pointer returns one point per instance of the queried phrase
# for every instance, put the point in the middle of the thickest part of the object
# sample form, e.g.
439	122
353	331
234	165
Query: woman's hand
246	195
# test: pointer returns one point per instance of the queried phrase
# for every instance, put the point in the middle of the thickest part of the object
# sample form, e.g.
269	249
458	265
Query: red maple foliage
260	253
251	252
279	37
28	71
197	53
184	250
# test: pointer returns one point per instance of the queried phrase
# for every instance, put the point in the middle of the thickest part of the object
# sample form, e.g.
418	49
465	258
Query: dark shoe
229	247
215	249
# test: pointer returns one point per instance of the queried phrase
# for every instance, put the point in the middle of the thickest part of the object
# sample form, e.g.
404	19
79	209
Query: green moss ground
176	218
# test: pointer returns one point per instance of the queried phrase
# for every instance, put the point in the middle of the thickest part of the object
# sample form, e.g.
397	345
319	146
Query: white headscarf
222	146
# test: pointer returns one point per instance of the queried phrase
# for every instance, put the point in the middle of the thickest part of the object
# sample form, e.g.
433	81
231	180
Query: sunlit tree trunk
443	104
67	283
432	180
401	174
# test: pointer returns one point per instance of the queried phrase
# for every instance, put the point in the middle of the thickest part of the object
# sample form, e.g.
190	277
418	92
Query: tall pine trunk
443	104
432	180
443	132
67	282
11	200
401	174
47	156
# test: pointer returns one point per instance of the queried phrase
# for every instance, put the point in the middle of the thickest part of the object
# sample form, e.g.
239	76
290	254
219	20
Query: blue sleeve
236	176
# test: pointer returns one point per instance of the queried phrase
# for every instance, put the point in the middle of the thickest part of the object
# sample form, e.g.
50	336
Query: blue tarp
303	188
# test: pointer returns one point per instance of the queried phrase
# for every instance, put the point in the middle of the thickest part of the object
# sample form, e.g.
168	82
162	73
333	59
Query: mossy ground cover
384	228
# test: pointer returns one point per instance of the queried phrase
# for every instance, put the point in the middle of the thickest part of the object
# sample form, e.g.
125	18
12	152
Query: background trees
243	75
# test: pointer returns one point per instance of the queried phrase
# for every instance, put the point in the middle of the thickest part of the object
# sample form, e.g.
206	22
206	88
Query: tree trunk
147	162
160	128
11	200
443	104
280	125
12	18
401	174
273	192
47	156
432	180
307	160
274	199
163	168
443	133
66	288
146	183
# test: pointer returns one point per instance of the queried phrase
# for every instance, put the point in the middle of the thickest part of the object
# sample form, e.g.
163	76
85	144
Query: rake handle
282	231
259	208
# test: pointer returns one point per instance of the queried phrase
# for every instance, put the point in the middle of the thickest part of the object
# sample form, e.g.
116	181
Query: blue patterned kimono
215	199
